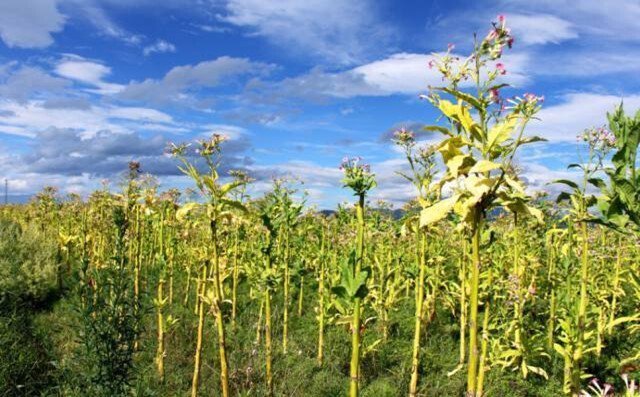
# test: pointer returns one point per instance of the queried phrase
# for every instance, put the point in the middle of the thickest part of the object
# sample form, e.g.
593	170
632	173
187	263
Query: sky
88	85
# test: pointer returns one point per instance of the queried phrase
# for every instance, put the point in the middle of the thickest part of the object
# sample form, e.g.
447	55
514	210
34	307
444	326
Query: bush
28	282
28	265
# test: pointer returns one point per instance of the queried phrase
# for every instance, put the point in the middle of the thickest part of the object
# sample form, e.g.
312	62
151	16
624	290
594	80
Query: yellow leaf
459	164
449	148
184	210
501	132
438	211
478	186
448	108
484	166
537	214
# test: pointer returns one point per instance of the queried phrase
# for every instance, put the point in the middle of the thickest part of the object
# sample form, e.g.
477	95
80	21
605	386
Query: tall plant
219	207
353	282
481	141
422	165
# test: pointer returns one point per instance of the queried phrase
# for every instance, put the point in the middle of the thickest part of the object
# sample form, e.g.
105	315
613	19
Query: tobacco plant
353	281
219	208
478	151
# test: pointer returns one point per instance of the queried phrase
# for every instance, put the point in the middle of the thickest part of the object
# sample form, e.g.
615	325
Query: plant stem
217	309
419	315
200	304
354	371
472	371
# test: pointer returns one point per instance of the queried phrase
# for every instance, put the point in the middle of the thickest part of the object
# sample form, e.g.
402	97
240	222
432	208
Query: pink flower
502	18
431	64
500	68
450	47
494	95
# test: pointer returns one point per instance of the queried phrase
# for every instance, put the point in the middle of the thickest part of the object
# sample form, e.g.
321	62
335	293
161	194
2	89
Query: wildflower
177	149
404	137
357	175
500	68
494	95
450	47
502	19
134	169
599	138
431	64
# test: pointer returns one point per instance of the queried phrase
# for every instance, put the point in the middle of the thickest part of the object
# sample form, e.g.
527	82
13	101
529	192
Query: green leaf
563	196
567	182
532	139
470	99
437	128
597	182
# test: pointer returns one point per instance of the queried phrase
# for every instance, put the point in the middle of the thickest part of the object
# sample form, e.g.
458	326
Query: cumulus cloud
398	74
345	32
576	112
22	83
28	118
65	151
87	72
541	28
181	79
160	46
29	23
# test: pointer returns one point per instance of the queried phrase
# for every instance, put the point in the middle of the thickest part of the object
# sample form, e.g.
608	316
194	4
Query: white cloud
84	71
29	23
28	118
93	11
402	73
338	31
88	72
180	79
577	111
160	46
538	177
616	20
22	83
231	131
541	28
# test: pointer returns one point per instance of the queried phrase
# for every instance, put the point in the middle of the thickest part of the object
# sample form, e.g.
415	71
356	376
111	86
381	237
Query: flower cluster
357	175
134	169
450	66
528	104
404	137
426	153
497	38
177	149
212	145
490	48
599	138
240	175
600	389
494	95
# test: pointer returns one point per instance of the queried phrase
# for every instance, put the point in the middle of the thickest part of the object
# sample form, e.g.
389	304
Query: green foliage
110	320
28	264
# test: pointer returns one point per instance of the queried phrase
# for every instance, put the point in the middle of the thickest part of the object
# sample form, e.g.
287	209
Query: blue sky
88	85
